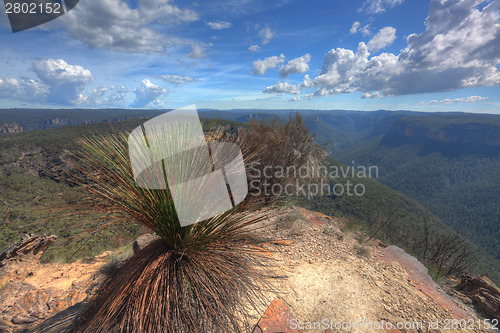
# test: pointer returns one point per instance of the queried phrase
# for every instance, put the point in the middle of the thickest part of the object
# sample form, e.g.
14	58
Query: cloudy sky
438	55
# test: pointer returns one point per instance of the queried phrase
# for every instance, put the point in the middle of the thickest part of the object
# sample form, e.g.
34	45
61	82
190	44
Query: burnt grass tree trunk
160	289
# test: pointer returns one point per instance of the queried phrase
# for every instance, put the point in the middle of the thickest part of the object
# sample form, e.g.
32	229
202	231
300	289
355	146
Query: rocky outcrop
31	292
11	128
23	303
29	245
59	122
484	294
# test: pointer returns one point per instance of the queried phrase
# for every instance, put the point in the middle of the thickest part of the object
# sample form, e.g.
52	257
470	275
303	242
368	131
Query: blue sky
439	55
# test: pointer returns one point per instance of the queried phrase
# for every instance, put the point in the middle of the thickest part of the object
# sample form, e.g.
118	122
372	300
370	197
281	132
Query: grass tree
204	277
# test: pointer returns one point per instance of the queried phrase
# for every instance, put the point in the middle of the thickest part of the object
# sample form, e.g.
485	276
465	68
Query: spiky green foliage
205	277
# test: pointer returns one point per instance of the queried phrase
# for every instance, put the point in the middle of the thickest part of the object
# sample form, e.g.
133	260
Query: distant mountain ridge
19	120
470	132
448	162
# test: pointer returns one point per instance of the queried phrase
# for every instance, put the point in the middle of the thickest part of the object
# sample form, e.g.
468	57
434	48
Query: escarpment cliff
462	133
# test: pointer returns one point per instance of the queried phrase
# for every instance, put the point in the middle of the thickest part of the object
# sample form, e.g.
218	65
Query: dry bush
279	153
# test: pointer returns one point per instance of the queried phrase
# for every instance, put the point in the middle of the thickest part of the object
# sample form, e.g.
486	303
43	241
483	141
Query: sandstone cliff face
483	293
453	133
59	122
10	128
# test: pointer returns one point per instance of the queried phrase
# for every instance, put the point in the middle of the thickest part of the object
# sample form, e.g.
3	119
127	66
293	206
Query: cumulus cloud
297	65
295	99
354	28
177	79
266	34
344	71
66	82
383	38
261	66
148	93
104	96
115	25
460	48
470	99
282	88
219	25
9	87
25	89
62	84
254	48
378	6
375	94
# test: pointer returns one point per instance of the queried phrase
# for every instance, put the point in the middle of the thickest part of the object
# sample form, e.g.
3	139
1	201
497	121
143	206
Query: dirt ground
335	280
332	281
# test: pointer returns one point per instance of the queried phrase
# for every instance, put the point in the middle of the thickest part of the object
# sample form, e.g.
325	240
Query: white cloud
197	52
118	95
25	89
354	28
297	65
148	93
307	82
9	87
383	38
365	31
157	104
295	99
104	96
460	48
177	79
375	94
61	83
254	48
66	82
261	66
473	99
344	71
378	6
93	97
115	25
219	25
266	34
470	99
282	88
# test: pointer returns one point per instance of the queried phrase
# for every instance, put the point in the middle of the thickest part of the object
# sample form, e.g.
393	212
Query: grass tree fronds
204	277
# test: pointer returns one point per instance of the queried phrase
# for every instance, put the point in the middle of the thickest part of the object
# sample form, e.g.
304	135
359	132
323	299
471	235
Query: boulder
484	294
142	241
28	245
